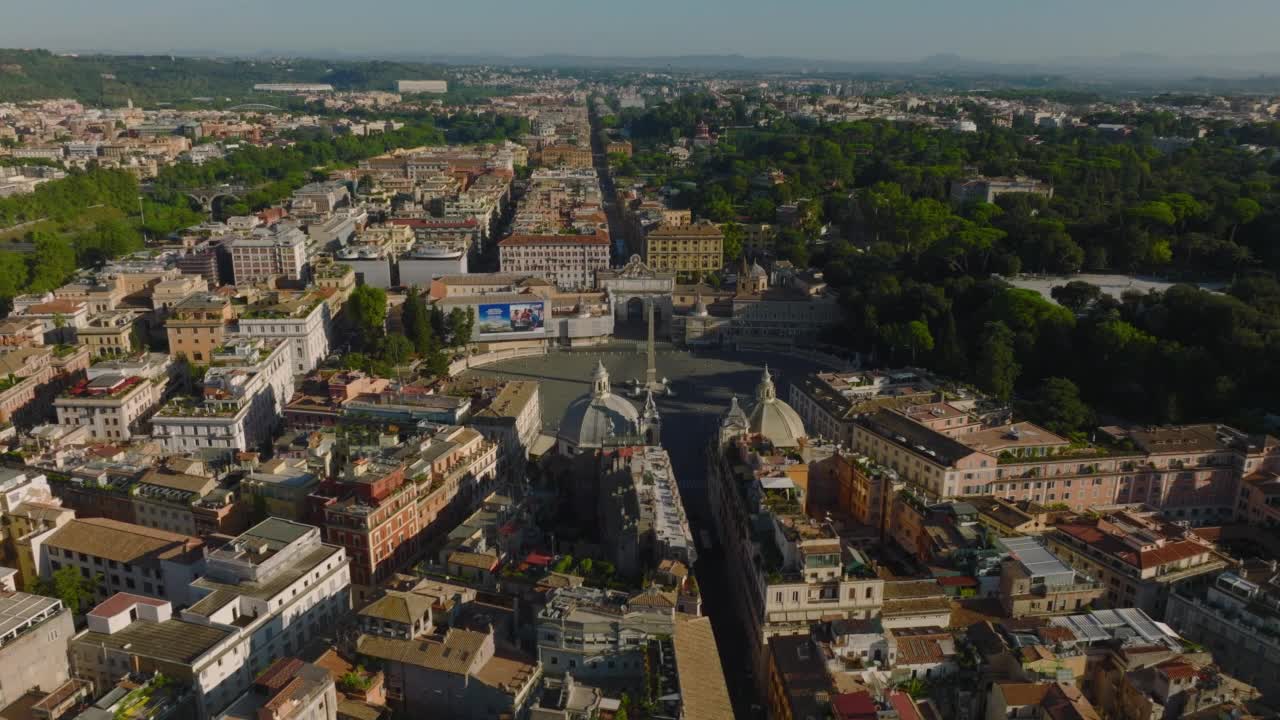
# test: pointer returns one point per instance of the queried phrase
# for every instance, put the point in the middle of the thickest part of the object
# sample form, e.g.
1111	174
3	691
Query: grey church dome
592	418
773	419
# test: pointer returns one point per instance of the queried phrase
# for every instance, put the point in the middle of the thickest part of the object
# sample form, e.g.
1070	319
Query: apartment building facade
17	332
282	486
1190	472
1033	582
388	504
1237	616
565	155
123	557
594	635
29	512
288	690
244	397
109	405
197	325
1259	500
108	334
445	654
569	262
831	402
303	320
685	249
168	293
61	318
33	644
35	372
1138	558
511	417
323	197
856	485
264	256
263	596
795	572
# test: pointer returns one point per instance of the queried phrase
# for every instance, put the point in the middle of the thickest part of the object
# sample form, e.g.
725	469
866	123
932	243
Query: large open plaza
702	383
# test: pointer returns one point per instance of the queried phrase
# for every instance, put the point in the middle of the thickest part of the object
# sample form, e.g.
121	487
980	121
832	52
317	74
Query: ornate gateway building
633	287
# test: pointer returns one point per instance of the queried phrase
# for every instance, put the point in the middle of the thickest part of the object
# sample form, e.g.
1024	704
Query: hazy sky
836	29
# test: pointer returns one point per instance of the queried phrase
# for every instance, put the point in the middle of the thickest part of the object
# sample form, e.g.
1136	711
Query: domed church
601	419
773	419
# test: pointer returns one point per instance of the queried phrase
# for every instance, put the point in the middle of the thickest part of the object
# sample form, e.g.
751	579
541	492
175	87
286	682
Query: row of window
869	594
114	580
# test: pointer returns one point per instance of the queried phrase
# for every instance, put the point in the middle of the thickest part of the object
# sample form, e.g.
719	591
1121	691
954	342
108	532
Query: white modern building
264	596
266	255
430	260
244	395
293	87
371	263
337	230
302	320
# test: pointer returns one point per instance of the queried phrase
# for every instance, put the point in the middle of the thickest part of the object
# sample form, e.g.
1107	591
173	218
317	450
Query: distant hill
1129	65
149	79
108	79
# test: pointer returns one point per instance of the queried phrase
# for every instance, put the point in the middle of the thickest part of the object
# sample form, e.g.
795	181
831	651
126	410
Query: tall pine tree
947	351
417	324
997	368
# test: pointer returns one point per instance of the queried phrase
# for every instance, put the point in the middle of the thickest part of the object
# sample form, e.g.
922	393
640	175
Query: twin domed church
770	418
602	419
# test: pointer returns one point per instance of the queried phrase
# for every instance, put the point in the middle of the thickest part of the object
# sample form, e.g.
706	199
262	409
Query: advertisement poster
506	318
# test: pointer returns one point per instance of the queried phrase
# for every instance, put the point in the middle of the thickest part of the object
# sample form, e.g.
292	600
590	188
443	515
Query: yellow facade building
692	248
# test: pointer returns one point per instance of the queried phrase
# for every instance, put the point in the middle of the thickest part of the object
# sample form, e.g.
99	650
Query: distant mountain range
1126	66
1141	72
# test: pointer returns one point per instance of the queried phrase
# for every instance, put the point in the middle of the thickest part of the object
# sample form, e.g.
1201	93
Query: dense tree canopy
921	278
115	79
275	172
366	315
383	353
1119	204
66	198
1057	406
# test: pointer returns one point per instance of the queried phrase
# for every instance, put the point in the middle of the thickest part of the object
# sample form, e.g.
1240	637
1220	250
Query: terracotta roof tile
702	684
1021	694
123	542
1175	669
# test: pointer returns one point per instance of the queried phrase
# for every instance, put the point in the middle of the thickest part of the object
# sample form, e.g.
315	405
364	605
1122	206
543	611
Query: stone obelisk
651	372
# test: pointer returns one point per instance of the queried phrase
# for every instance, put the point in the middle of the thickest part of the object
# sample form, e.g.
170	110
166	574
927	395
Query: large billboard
524	318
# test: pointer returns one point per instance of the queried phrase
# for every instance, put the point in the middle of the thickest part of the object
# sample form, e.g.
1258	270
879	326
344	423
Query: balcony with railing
824	594
1079	586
